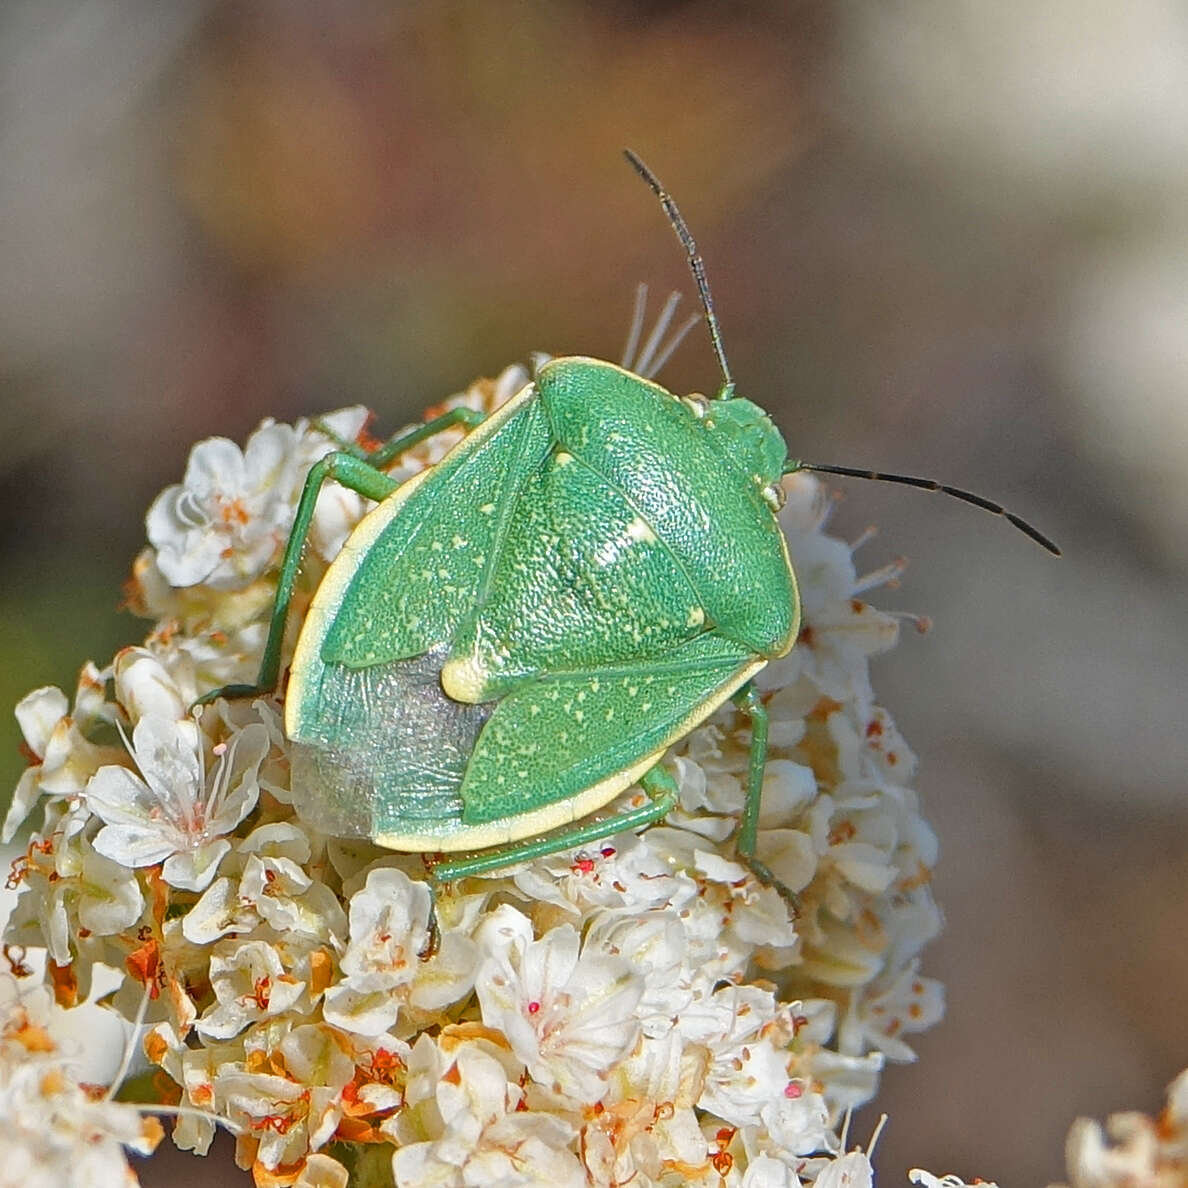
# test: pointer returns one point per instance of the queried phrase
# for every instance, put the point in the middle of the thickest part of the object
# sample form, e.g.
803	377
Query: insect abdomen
383	749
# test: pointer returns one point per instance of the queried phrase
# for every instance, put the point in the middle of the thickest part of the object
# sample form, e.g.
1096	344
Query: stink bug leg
662	792
747	838
363	475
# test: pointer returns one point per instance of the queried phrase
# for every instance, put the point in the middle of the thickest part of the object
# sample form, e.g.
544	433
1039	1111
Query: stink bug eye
512	638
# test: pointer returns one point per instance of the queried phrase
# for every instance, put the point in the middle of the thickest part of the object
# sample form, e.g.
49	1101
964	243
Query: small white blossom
879	1016
478	1136
251	983
389	928
144	687
1132	1149
62	756
174	813
225	522
57	1131
851	1170
927	1180
617	872
567	1010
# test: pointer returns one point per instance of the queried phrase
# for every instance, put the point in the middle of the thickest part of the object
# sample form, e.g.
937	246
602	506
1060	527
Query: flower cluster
1133	1149
642	1010
57	1130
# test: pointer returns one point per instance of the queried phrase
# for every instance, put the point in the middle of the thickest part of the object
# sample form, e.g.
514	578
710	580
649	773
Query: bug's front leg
353	474
361	474
747	838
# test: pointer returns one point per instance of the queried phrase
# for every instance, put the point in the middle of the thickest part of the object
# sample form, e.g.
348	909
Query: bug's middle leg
746	840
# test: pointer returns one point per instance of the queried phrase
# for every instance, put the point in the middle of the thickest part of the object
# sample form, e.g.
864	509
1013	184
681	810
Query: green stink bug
511	639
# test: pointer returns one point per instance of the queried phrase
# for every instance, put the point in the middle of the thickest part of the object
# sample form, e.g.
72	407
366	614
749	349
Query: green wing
555	738
582	582
419	562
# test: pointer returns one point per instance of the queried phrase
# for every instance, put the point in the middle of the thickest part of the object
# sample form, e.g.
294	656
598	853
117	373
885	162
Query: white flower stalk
640	1010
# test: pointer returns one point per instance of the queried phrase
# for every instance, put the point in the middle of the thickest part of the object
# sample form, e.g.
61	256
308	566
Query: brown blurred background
945	238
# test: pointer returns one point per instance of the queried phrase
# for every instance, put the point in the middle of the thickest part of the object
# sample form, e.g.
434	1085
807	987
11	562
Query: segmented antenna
697	267
695	264
924	484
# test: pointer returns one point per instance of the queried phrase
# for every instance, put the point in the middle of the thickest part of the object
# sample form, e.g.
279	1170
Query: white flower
655	945
251	982
746	1071
616	872
145	688
175	814
55	1130
62	757
880	1015
478	1136
320	1171
851	1170
285	1117
567	1011
927	1180
1132	1149
389	923
765	1172
228	518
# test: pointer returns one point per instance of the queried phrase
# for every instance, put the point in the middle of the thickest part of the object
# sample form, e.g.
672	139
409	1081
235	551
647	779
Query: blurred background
945	237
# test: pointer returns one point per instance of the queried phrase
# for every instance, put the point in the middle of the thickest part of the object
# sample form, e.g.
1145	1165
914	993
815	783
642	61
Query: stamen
922	623
638	312
658	331
674	342
885	575
180	1111
864	537
221	782
130	1046
874	1138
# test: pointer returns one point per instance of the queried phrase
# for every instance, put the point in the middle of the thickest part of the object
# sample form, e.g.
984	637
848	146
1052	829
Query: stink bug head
749	438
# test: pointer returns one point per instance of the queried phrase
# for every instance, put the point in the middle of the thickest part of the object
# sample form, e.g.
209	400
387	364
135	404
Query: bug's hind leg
662	792
657	782
746	839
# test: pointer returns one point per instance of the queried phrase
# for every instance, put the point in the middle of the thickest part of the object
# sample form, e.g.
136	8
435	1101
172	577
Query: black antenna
697	267
932	485
695	263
